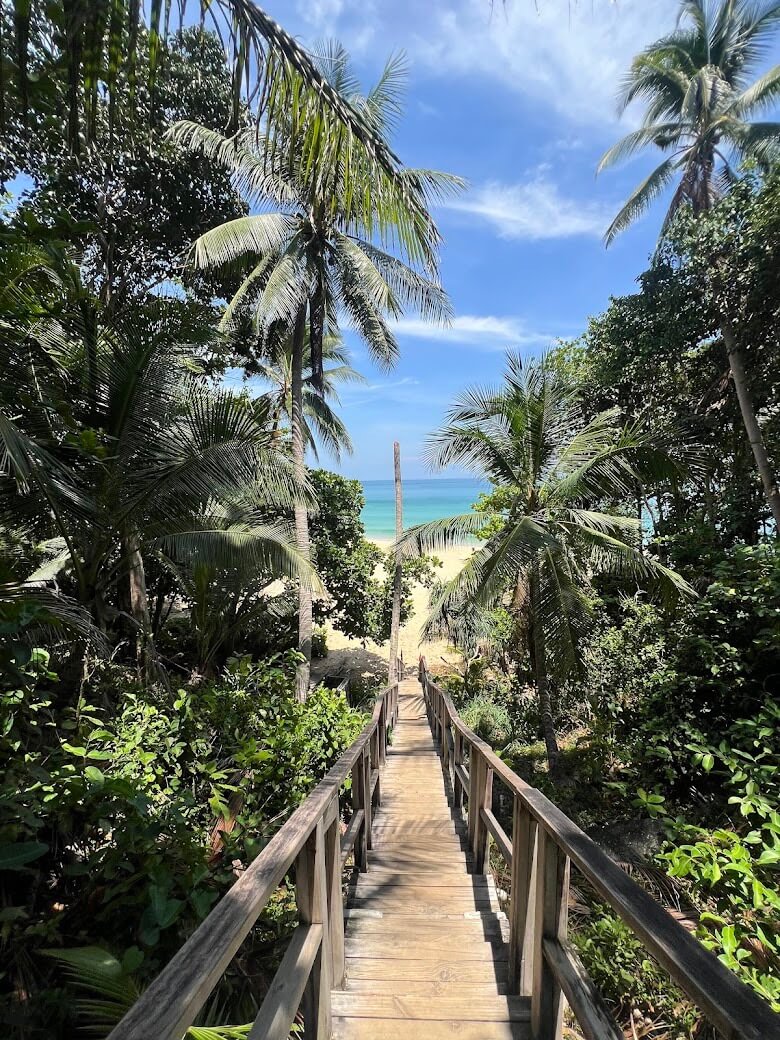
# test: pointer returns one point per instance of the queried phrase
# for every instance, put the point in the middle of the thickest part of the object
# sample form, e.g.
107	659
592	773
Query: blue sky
520	101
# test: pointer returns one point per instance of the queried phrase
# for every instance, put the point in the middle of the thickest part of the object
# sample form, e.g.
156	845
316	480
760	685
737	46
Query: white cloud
476	330
370	388
567	55
533	209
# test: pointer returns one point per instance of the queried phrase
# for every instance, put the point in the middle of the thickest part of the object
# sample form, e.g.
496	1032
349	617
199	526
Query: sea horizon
424	499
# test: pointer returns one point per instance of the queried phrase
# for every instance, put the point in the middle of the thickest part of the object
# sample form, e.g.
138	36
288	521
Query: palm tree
554	478
322	253
120	451
701	97
89	53
321	424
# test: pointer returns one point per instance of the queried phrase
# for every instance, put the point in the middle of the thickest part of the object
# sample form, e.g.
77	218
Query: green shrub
629	980
489	720
107	810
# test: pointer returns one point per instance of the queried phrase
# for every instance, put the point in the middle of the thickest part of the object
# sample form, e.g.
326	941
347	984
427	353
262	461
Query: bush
489	720
629	980
107	810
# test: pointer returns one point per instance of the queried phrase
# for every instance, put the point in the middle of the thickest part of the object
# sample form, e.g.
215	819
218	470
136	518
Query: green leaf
14	856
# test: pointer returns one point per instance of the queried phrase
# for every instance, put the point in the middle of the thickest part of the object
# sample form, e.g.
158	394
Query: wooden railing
311	844
539	853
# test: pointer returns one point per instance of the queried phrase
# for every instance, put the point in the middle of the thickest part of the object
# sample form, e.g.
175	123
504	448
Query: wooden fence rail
539	853
310	844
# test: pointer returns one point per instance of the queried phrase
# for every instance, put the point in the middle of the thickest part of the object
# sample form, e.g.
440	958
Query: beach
350	656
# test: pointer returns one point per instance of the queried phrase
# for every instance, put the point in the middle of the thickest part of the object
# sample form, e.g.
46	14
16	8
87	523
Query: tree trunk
139	600
395	622
543	683
763	465
305	622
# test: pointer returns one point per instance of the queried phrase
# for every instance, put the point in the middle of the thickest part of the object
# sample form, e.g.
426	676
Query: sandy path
349	655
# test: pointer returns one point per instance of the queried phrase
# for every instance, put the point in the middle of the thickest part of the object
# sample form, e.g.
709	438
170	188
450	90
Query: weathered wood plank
452	1029
409	930
498	834
421	1008
284	995
351	835
433	968
311	895
399	945
421	900
520	920
427	987
593	1016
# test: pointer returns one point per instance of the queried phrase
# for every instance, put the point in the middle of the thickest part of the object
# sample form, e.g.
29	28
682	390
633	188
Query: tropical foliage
551	527
319	251
148	565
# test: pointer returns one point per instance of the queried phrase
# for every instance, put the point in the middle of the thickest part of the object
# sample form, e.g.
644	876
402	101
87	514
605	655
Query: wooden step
381	879
436	942
447	968
447	1029
426	987
419	1007
418	902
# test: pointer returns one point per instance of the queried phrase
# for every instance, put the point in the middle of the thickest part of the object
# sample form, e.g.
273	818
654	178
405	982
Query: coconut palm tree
320	254
321	424
98	61
701	98
554	477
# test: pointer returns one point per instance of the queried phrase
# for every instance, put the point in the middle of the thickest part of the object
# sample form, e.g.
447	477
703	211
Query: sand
370	661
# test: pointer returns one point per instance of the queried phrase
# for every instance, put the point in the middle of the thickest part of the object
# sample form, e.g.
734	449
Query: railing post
374	763
368	802
359	801
312	898
551	897
444	743
480	789
382	731
457	783
335	896
521	918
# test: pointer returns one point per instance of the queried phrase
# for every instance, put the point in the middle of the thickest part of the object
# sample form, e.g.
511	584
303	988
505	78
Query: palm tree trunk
763	465
305	620
542	682
395	621
139	600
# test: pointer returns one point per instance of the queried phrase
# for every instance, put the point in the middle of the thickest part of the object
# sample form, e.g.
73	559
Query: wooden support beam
335	900
551	897
354	838
594	1018
283	998
311	893
521	921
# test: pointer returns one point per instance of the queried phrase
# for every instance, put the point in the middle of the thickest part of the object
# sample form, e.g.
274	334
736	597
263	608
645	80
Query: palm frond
236	239
642	198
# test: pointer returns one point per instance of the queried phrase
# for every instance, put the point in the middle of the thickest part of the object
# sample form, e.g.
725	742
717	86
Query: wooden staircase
425	941
417	947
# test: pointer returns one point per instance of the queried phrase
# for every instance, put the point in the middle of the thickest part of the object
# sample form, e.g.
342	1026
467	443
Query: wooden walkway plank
425	942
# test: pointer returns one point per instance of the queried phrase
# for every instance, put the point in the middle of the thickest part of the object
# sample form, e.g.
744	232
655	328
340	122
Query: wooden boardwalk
425	952
425	943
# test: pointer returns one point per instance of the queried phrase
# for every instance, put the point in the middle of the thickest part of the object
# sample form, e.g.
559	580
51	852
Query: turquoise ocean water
424	500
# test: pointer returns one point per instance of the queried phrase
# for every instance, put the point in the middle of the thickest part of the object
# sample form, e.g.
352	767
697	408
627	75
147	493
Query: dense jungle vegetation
165	552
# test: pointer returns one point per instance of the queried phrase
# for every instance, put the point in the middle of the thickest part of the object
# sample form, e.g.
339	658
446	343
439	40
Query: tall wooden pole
395	624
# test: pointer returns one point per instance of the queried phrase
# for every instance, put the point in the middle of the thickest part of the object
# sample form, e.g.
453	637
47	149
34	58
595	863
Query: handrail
311	842
543	844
